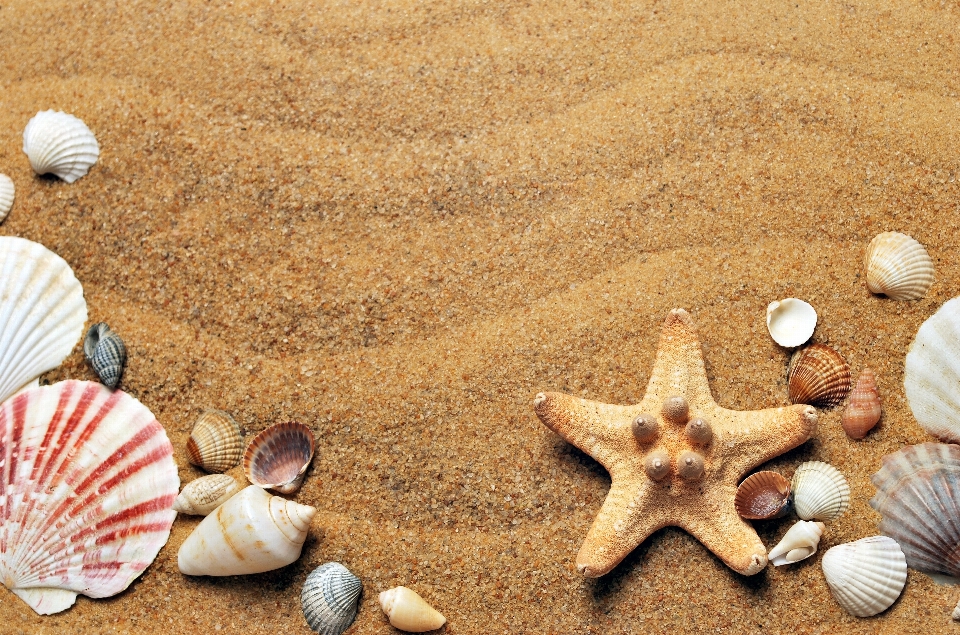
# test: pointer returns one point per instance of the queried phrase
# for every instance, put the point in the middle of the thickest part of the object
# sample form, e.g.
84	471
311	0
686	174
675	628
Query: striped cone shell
762	495
818	375
863	411
215	443
7	191
278	457
898	267
106	353
330	598
87	484
820	491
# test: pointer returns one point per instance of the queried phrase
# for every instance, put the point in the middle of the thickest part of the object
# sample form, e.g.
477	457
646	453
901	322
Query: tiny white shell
819	491
865	576
329	598
60	144
800	542
409	612
791	322
203	495
898	267
7	191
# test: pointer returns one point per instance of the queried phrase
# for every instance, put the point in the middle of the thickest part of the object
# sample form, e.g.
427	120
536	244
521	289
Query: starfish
682	472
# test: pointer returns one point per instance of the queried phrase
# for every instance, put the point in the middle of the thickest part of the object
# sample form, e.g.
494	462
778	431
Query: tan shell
409	612
762	495
819	376
898	267
203	495
863	412
215	443
278	457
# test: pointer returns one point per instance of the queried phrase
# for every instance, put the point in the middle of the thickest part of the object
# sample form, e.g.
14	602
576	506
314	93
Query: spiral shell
898	267
819	491
203	495
60	144
863	412
329	598
865	576
818	375
791	321
409	612
7	191
106	353
931	377
215	443
762	495
278	457
799	543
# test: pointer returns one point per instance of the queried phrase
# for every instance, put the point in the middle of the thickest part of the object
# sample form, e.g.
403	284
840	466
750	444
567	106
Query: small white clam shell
60	144
203	495
791	321
409	612
329	598
820	491
7	191
898	267
865	576
800	542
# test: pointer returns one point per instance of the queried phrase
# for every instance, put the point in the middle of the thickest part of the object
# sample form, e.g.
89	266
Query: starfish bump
674	459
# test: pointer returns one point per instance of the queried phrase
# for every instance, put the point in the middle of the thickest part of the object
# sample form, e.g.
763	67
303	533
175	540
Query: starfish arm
752	438
679	368
601	430
721	530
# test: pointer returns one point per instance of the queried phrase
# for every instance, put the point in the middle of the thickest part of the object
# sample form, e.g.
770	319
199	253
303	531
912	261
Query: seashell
409	612
818	375
763	495
252	532
863	412
278	457
898	267
87	480
105	351
203	495
800	542
819	491
60	144
41	309
7	191
215	443
329	598
931	376
791	322
865	576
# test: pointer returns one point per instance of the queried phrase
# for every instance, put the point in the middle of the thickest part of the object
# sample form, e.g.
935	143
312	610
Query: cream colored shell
931	377
203	495
898	267
7	191
60	144
791	321
866	576
800	542
409	612
215	443
820	491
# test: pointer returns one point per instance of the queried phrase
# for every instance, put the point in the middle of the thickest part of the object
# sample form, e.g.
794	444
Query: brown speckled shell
819	376
863	411
278	457
762	495
215	443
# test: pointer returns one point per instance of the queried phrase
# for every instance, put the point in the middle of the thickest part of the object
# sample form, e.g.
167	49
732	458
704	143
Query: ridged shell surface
203	495
918	498
278	457
865	576
799	543
791	322
7	192
863	410
106	353
42	311
329	598
762	495
898	267
819	376
820	491
932	375
87	484
215	443
409	612
60	144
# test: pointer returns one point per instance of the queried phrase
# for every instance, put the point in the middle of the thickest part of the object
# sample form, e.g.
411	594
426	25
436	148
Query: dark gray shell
106	353
330	597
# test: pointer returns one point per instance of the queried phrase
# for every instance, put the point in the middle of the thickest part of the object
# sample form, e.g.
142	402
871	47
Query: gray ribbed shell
106	353
330	597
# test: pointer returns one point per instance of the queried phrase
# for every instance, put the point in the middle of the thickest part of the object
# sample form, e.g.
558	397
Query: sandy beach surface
398	221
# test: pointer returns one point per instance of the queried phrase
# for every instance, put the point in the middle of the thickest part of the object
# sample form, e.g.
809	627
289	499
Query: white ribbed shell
865	576
931	377
898	267
329	598
791	321
60	144
7	191
819	491
42	312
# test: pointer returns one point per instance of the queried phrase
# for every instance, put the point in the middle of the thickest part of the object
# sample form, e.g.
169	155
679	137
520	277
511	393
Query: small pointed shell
106	353
818	375
409	612
60	144
898	267
863	411
762	495
215	443
791	322
329	598
820	491
7	192
800	542
278	457
203	495
866	576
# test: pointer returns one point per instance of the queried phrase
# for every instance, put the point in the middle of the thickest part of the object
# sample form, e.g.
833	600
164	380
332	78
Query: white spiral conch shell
800	542
791	322
60	144
252	532
931	377
409	612
820	491
898	267
865	576
201	496
7	191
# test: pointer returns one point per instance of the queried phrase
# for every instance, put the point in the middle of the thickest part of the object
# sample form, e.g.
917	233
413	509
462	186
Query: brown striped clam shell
863	411
278	457
215	443
762	495
818	375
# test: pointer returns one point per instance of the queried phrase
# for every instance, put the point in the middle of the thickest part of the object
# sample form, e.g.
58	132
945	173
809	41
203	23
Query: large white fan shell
932	374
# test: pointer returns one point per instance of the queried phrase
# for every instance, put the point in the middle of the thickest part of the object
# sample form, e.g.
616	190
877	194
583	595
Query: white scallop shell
898	267
800	542
87	480
203	495
60	144
819	491
41	309
252	532
931	376
791	322
7	191
329	598
865	576
409	612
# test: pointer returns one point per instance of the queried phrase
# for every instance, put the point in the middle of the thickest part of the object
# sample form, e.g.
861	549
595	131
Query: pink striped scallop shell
87	484
278	457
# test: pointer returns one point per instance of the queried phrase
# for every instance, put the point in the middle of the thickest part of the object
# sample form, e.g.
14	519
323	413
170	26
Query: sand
397	222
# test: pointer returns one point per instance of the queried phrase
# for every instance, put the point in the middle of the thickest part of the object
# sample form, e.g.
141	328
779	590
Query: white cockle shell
409	612
87	481
800	542
329	598
791	321
60	144
865	576
252	532
201	496
931	375
42	311
820	491
898	267
7	191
